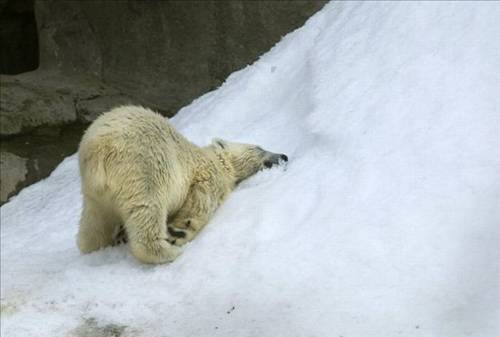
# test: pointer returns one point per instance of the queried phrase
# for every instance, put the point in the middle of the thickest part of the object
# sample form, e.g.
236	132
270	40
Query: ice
385	222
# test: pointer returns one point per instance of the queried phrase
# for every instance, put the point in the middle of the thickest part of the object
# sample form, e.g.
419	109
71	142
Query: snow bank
386	221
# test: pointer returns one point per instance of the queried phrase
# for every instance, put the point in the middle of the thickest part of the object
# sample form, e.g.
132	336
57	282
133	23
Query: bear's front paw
157	251
183	224
181	232
175	233
179	237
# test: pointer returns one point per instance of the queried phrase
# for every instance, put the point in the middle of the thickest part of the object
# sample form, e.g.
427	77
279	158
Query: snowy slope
386	221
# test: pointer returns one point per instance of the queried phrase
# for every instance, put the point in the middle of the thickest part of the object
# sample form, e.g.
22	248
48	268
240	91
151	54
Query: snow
385	222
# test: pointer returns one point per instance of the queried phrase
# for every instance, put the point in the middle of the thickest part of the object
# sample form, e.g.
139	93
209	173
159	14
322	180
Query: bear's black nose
284	157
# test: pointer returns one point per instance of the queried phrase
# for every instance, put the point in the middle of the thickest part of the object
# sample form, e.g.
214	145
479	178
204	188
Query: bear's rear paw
155	252
120	237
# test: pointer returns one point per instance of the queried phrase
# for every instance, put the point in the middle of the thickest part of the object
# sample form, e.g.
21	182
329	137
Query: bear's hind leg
194	214
147	235
96	227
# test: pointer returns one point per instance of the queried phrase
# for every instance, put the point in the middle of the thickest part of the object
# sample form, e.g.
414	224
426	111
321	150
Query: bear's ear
219	143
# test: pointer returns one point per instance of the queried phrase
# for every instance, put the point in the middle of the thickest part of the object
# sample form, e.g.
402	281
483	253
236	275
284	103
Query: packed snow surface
386	221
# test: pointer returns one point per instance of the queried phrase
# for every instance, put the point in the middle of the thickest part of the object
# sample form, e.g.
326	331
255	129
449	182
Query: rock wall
97	54
164	52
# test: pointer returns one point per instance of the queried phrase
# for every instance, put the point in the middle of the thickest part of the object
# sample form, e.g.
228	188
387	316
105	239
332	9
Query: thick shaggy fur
138	173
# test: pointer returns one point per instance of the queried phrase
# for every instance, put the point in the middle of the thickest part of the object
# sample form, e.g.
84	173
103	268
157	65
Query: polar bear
137	171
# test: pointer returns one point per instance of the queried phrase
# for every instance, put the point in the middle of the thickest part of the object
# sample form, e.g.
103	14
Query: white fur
138	172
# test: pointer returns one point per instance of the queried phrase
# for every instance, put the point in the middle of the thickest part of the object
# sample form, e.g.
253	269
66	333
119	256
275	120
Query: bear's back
131	143
128	122
133	128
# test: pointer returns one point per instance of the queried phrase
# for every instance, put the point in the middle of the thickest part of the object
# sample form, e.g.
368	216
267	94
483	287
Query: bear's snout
275	159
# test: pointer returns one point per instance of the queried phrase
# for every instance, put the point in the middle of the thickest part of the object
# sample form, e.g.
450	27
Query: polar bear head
247	159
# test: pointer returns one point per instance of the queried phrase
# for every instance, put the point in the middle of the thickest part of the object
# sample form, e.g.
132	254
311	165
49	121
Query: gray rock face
164	52
95	54
98	54
12	172
51	98
25	105
89	109
28	158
